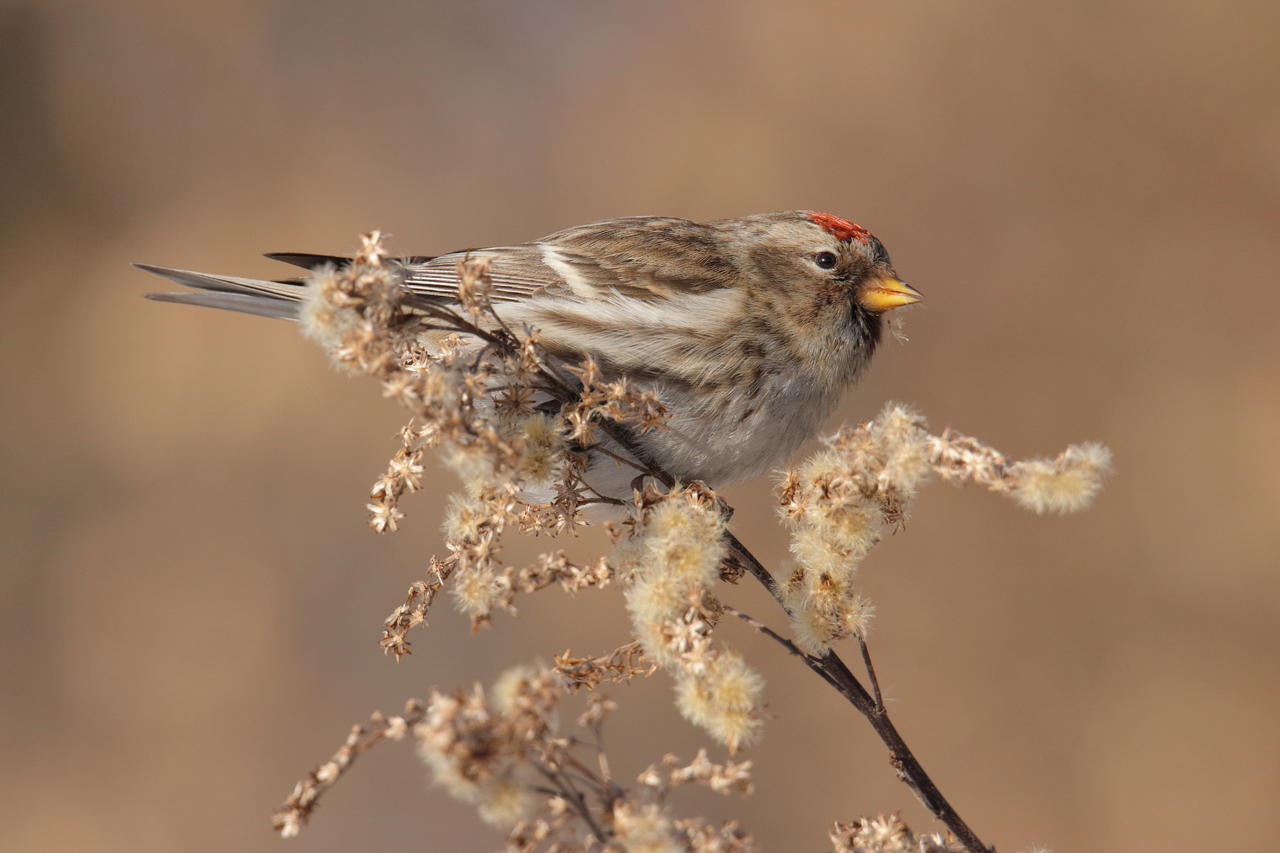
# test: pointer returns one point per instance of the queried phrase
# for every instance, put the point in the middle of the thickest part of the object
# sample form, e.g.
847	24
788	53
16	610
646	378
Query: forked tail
279	299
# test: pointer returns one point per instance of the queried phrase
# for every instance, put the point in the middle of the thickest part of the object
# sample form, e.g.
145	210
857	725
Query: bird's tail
279	299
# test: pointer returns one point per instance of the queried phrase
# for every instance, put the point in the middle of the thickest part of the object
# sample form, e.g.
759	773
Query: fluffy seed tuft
1065	484
724	700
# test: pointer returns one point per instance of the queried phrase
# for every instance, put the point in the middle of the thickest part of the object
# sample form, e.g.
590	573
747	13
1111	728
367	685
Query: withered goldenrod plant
516	423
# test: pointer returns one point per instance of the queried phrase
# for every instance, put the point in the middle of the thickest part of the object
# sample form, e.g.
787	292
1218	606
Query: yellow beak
882	294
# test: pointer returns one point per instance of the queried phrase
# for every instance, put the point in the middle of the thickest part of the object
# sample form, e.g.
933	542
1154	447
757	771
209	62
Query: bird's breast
739	430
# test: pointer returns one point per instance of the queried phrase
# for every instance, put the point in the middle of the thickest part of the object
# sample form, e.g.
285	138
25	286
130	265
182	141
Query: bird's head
825	274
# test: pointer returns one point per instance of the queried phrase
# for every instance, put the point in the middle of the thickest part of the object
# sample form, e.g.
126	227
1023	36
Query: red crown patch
841	229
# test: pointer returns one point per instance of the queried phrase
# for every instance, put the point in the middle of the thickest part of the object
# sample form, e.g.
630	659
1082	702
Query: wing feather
647	258
517	273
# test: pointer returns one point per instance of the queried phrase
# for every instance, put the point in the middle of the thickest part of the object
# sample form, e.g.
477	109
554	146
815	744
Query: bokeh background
1087	192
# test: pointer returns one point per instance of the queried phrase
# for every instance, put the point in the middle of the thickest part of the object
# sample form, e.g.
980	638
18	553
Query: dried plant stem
295	811
563	787
836	673
871	673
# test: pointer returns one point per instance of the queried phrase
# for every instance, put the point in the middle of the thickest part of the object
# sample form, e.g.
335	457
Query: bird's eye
826	260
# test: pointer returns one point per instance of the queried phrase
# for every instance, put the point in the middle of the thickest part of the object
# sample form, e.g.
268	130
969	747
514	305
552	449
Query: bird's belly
741	436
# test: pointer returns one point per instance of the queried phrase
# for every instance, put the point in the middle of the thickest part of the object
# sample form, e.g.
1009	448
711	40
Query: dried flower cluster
620	666
517	425
840	501
673	555
887	834
474	390
290	817
502	751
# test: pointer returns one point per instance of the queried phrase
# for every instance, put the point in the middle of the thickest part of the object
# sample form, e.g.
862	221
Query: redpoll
748	330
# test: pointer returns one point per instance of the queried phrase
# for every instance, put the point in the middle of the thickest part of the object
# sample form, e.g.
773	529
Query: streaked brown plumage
748	329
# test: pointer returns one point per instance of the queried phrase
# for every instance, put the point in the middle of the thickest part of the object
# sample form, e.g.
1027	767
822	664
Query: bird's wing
517	273
645	258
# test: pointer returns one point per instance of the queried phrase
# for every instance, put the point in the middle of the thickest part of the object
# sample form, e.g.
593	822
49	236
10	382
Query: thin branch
571	795
617	457
836	673
749	562
290	817
871	674
585	773
813	663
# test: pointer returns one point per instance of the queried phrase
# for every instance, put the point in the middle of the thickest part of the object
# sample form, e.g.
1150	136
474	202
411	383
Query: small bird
748	330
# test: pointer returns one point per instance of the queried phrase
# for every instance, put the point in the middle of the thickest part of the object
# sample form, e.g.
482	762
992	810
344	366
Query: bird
748	330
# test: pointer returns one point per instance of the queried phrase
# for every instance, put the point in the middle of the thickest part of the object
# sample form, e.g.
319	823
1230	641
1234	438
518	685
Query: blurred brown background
1088	193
